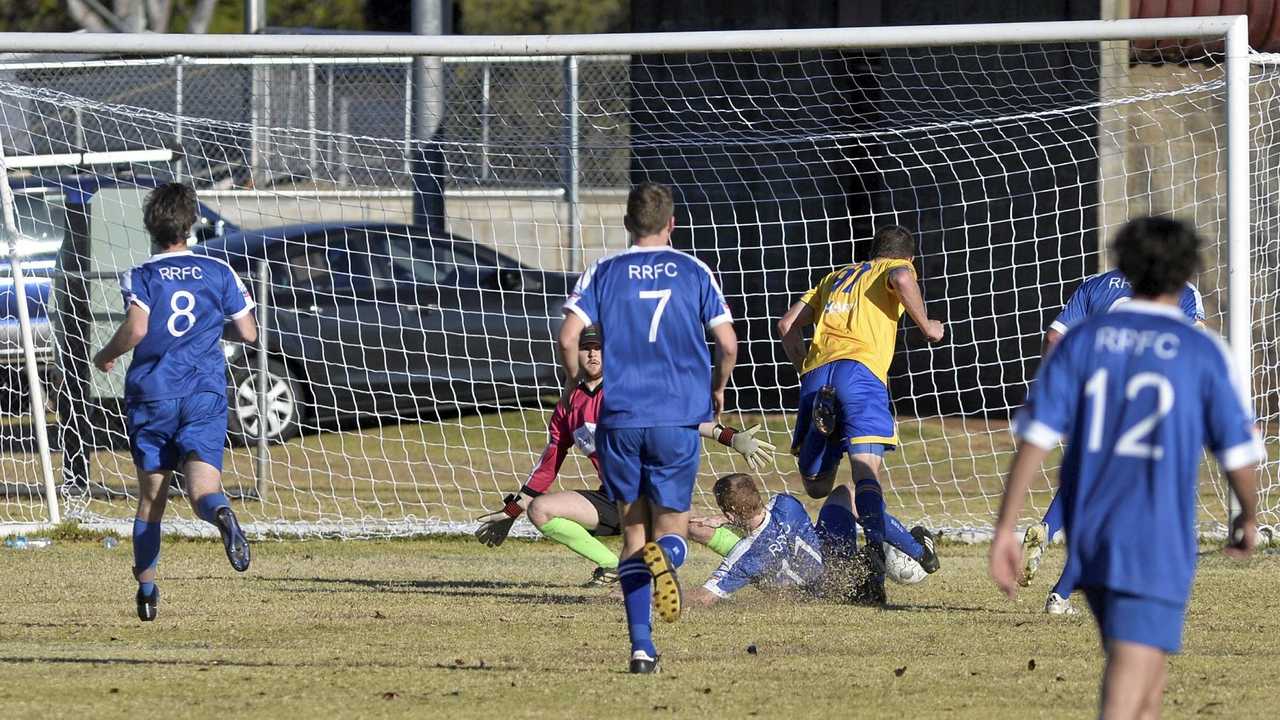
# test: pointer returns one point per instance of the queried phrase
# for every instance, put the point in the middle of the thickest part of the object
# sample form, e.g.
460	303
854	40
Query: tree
539	17
141	15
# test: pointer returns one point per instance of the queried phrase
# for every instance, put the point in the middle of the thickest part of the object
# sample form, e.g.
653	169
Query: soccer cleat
666	586
866	576
603	577
147	604
1055	604
642	664
824	410
233	539
929	561
1033	542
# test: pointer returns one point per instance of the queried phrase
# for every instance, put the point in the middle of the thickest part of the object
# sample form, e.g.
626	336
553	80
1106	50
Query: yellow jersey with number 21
855	316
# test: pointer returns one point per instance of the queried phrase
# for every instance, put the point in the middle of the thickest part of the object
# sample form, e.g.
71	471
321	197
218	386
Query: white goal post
1012	148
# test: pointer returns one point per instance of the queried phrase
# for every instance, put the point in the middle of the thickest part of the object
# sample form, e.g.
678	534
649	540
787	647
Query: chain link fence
326	122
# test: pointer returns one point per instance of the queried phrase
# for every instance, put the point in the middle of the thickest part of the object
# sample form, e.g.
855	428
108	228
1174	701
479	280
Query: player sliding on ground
656	305
576	518
1096	295
844	395
178	306
779	547
1137	392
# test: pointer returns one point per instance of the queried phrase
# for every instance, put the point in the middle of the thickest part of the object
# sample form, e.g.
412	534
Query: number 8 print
185	310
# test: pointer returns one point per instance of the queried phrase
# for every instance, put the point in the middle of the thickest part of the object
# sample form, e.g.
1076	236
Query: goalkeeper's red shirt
573	426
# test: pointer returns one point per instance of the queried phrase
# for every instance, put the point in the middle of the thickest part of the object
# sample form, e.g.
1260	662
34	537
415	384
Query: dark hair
737	493
893	241
1157	255
649	209
169	213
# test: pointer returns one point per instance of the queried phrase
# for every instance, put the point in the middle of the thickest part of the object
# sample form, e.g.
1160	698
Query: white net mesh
410	364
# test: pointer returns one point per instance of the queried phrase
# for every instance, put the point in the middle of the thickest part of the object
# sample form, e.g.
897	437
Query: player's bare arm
726	356
131	332
243	329
1005	563
790	329
1244	527
570	330
903	282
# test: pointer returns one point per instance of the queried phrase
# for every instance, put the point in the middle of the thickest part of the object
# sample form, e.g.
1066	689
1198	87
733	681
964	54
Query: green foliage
34	16
539	17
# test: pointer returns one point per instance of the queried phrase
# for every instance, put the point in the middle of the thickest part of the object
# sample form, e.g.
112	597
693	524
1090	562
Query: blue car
41	207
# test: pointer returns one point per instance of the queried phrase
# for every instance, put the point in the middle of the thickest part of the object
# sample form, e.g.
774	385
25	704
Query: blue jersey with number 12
188	298
654	306
1137	392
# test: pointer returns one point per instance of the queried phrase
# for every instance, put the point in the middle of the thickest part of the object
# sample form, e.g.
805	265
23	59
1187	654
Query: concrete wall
534	231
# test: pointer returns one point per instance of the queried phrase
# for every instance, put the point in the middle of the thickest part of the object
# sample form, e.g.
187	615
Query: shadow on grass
496	589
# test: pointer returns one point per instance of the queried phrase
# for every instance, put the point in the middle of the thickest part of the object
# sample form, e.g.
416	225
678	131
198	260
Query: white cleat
1055	604
1033	542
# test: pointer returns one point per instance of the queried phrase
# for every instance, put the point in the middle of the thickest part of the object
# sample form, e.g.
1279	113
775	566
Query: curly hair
169	213
1157	255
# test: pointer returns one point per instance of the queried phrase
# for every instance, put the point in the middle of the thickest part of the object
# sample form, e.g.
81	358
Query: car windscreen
420	260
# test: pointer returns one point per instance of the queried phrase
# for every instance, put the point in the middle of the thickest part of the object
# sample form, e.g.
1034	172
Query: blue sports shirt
784	550
188	299
654	306
1103	291
1137	392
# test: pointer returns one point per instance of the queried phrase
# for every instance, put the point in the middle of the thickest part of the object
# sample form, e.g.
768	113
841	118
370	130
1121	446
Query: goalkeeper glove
495	526
757	451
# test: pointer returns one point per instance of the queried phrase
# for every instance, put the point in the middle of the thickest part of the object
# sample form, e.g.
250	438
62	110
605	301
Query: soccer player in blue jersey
779	547
1137	392
656	305
844	371
1096	295
178	307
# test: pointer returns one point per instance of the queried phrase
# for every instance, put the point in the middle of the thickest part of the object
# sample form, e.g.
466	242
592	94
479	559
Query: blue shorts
162	433
1137	619
838	532
660	462
865	418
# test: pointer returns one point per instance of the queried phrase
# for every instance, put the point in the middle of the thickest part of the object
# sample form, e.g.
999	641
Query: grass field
446	628
949	472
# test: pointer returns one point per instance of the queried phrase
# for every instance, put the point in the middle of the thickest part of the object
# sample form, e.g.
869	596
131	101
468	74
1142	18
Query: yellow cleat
1033	543
667	597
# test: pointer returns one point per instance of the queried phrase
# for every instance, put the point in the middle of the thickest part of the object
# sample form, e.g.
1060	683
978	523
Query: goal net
410	246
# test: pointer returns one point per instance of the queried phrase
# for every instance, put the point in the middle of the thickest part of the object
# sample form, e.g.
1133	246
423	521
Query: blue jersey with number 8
1137	392
188	299
654	306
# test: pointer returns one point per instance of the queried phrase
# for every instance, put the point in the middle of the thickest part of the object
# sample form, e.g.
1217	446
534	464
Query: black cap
590	336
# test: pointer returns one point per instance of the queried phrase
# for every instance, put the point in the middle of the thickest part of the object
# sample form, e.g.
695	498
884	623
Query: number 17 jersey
188	298
654	306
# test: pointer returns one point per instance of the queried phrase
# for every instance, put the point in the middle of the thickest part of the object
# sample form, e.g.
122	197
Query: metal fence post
571	161
485	90
313	150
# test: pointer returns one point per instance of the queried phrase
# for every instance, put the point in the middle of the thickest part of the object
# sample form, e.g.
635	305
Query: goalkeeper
578	518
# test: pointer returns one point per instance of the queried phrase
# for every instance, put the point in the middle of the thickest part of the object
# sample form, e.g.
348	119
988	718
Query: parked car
388	320
41	205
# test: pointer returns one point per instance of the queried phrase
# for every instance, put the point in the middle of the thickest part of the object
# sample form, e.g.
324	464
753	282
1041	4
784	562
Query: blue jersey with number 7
188	298
654	306
1137	392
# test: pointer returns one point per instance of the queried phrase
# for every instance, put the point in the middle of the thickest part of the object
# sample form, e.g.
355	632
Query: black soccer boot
147	604
824	410
642	664
233	539
929	561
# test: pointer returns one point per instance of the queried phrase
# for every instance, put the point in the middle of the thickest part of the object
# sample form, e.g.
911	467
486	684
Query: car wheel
285	404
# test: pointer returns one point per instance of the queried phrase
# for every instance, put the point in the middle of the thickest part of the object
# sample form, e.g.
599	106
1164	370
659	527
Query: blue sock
1053	516
146	548
207	506
897	535
676	548
637	595
869	501
1063	587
